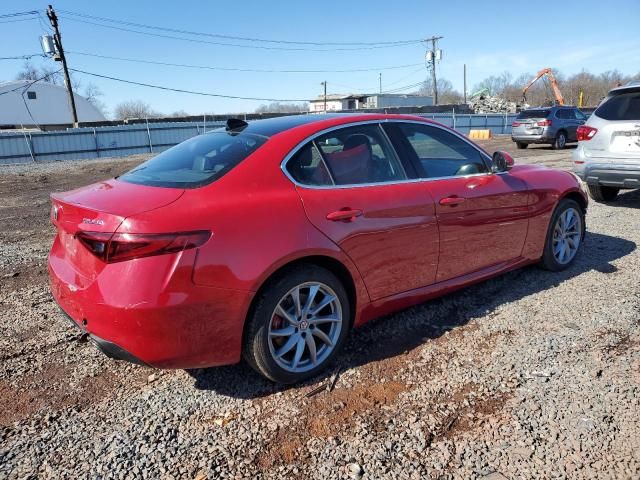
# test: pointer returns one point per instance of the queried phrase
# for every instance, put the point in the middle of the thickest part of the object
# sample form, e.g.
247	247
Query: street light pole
325	95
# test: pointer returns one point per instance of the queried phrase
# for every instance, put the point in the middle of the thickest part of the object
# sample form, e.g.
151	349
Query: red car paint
398	243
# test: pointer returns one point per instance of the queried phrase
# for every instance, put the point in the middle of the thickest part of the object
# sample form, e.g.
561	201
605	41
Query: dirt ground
452	373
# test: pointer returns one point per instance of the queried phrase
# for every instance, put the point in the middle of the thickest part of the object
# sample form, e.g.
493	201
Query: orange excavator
545	72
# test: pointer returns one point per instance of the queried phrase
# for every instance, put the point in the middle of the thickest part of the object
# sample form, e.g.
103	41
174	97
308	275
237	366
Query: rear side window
196	162
360	154
623	106
534	114
442	154
307	167
564	114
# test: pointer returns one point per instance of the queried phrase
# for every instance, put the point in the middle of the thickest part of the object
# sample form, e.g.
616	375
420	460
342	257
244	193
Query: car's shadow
403	331
626	199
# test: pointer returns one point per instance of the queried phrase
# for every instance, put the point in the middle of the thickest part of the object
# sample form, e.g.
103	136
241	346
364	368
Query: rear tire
286	340
521	145
564	236
561	141
601	193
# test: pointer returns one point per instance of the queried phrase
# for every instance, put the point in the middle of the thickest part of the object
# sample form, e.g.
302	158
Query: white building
38	104
337	102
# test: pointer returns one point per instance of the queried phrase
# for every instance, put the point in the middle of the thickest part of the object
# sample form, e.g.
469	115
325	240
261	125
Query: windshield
534	114
197	161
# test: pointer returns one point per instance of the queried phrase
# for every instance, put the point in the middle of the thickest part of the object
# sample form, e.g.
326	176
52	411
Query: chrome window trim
311	138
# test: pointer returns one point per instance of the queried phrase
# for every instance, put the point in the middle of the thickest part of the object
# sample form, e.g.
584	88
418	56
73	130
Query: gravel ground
531	375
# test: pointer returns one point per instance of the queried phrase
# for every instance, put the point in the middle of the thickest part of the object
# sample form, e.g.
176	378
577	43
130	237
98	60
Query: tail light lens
544	123
516	124
585	133
119	247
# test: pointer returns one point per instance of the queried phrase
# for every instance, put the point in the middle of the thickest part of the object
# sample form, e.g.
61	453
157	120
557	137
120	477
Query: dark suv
555	126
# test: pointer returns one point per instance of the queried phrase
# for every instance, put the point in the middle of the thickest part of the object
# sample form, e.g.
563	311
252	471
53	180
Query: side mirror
501	162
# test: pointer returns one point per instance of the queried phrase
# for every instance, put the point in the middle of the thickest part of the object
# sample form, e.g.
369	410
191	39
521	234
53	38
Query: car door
355	190
482	216
566	122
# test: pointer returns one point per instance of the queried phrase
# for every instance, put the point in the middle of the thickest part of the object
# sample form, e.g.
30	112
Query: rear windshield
196	162
534	114
623	106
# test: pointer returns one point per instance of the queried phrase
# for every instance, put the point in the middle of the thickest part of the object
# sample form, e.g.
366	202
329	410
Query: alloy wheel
567	234
305	327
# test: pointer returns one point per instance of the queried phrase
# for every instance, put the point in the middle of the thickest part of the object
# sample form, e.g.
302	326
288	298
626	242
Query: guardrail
119	141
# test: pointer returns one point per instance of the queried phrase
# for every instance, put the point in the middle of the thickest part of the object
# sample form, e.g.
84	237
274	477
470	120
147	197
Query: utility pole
325	95
432	55
465	83
53	18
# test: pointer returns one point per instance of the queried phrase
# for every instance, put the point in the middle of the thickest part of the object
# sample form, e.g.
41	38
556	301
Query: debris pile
491	104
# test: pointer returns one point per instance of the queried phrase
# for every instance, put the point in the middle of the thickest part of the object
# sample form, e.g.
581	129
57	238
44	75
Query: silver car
608	153
554	126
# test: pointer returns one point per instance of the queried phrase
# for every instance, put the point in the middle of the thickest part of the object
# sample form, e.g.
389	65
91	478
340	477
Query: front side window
442	154
359	154
197	161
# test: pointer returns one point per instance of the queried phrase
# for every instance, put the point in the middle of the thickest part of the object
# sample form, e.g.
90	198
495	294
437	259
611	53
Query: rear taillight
516	124
118	247
544	123
585	133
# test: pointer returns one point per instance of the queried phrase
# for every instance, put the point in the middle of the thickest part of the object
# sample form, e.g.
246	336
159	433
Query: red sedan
271	240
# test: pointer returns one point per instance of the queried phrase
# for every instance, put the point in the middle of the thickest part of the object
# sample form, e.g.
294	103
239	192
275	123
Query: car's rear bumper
620	173
532	138
620	176
166	321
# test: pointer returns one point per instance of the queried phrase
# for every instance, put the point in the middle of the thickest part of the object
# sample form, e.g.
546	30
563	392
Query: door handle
344	215
452	201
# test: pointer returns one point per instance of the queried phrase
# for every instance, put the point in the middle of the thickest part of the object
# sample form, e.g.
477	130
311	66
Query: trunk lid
618	140
100	207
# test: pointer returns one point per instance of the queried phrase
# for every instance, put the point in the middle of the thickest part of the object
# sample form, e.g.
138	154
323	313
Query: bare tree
593	87
93	95
280	107
496	84
179	113
446	92
134	109
28	72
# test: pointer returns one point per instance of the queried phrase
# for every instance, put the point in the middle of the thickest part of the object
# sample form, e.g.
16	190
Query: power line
232	69
237	45
217	95
23	57
19	14
26	87
19	20
179	90
247	39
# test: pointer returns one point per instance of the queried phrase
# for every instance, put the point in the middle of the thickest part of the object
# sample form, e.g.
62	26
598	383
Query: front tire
603	194
560	141
299	324
564	236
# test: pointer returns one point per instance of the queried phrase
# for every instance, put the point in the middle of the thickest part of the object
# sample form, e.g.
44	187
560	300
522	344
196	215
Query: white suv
608	153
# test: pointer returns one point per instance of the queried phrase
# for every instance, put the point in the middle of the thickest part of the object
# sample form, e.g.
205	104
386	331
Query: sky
489	37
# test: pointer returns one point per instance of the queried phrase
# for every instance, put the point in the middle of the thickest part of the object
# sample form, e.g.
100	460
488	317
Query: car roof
272	126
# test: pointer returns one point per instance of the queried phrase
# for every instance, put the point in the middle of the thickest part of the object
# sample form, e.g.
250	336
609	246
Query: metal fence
120	141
